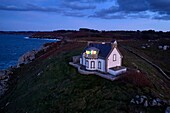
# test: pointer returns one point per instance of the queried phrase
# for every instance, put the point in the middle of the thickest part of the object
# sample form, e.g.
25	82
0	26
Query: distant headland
91	33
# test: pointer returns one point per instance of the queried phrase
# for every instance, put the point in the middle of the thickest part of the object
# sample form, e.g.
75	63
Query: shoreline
26	58
28	37
49	39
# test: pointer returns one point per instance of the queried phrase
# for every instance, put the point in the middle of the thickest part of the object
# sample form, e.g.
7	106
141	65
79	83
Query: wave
26	37
43	39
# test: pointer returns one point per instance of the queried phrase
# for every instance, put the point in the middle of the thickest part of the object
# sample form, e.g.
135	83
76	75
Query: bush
136	78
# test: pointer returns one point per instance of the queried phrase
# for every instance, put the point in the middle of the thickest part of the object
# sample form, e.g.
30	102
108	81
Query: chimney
88	43
114	43
103	42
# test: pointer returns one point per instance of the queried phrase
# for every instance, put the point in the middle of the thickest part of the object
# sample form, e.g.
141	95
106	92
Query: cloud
29	7
74	14
105	9
132	5
161	6
88	1
166	17
157	9
109	16
78	6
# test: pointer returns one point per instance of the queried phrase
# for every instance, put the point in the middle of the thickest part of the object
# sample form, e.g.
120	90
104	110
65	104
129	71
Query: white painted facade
103	65
93	64
117	72
114	59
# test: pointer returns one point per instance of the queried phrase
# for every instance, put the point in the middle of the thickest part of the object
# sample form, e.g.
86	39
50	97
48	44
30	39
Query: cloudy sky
95	14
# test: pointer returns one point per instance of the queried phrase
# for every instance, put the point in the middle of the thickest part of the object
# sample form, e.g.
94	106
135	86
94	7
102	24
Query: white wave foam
26	37
43	39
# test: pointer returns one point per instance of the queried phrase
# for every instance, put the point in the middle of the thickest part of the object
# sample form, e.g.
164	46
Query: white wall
110	62
117	72
81	61
102	65
96	64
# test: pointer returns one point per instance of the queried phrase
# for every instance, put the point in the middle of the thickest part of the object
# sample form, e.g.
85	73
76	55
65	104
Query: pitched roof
104	49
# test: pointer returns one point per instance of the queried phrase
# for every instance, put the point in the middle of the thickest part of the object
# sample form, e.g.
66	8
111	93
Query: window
99	65
92	52
87	63
114	57
92	64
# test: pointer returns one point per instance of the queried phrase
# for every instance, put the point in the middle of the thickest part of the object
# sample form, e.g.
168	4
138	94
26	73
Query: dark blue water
14	46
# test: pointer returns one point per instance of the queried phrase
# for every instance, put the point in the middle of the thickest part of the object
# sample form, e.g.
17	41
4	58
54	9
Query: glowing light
92	52
87	52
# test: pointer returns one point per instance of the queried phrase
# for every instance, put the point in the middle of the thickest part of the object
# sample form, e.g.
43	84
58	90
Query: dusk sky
42	15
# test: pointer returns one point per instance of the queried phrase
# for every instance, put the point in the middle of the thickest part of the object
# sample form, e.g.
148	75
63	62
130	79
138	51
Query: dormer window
91	53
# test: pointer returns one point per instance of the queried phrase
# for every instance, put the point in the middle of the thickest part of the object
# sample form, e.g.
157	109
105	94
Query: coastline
51	72
7	74
49	39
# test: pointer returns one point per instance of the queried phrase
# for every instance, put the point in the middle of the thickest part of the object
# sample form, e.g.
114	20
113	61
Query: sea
14	46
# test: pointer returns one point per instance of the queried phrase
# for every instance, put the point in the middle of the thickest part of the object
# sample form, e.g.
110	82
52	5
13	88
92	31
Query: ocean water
14	46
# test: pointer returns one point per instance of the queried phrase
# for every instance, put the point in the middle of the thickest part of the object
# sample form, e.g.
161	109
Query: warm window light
87	52
94	52
91	52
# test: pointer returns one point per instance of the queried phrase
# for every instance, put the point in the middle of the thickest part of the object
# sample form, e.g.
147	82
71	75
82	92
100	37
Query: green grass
157	56
61	89
161	84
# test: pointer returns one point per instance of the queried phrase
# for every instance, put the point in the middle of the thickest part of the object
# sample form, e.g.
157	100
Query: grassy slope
159	57
60	88
161	85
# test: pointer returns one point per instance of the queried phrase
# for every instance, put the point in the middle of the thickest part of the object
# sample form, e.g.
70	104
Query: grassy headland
50	84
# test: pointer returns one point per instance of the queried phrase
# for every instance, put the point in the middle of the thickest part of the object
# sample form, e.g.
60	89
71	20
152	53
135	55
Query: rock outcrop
4	77
167	109
26	58
148	101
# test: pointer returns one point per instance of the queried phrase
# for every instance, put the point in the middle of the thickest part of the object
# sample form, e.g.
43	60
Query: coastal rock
154	102
132	101
43	48
4	77
167	109
26	58
147	101
3	85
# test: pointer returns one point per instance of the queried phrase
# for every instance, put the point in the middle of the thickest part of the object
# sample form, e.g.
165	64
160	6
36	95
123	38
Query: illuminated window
114	57
92	52
87	52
